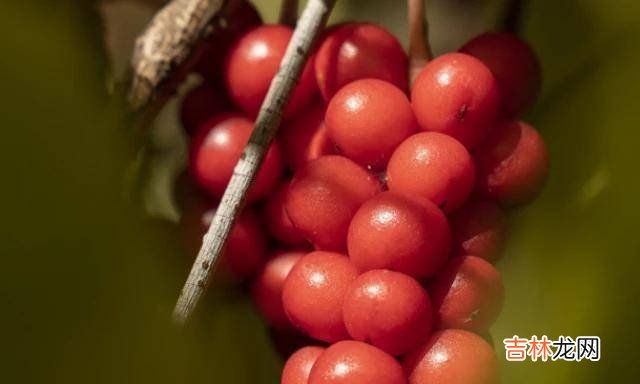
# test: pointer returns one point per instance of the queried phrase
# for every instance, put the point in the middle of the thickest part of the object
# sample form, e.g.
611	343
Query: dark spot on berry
462	112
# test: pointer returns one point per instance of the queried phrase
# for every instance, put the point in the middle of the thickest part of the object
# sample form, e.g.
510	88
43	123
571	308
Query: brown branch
288	12
166	44
311	22
419	48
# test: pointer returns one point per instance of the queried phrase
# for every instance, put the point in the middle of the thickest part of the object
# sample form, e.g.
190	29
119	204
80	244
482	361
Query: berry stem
288	12
512	16
309	26
419	48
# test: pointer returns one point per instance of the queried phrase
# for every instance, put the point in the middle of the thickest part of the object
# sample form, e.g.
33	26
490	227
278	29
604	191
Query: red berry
368	119
467	294
399	232
433	166
453	356
514	65
305	137
298	367
512	164
389	310
277	220
253	62
324	196
268	284
239	16
354	362
479	229
456	94
215	150
356	51
199	105
314	291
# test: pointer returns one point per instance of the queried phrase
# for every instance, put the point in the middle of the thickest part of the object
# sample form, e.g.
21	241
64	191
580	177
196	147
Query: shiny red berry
324	196
215	150
356	51
512	164
433	166
480	229
514	65
305	137
268	284
354	362
389	310
453	356
399	232
467	294
456	94
199	105
368	119
253	62
298	366
277	220
314	291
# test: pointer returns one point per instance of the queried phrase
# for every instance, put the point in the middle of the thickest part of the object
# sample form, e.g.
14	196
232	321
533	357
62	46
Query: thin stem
309	26
419	48
512	16
288	12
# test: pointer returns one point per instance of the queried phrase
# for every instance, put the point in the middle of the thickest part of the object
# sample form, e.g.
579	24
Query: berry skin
253	62
324	196
305	137
298	367
456	94
268	284
513	64
480	229
314	291
240	16
356	51
389	310
434	166
467	294
452	356
199	105
368	119
277	220
215	150
399	232
512	164
354	362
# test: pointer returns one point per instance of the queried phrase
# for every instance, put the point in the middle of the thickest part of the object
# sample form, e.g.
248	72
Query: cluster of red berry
401	197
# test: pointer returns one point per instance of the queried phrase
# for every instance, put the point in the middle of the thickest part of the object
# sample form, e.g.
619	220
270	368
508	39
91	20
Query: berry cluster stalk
288	12
309	26
419	48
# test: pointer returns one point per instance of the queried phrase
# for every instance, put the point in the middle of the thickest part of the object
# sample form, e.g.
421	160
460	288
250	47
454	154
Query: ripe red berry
305	137
456	94
199	105
277	220
368	119
399	232
452	356
268	284
356	51
313	294
512	164
324	196
298	367
433	166
513	64
215	150
354	362
239	16
252	63
389	310
467	294
479	229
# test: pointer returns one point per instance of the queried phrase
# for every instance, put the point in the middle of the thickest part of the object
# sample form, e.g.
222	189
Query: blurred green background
89	275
